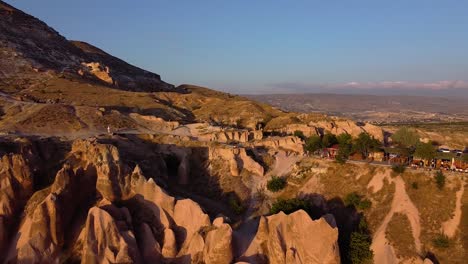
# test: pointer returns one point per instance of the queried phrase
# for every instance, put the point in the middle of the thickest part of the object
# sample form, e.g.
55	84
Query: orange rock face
98	210
285	238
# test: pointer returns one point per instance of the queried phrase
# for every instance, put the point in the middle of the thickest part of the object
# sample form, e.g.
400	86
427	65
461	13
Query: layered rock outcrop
290	143
236	136
346	126
335	127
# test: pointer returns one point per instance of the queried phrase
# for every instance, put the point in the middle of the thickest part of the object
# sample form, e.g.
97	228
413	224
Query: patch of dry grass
399	234
340	179
435	207
382	202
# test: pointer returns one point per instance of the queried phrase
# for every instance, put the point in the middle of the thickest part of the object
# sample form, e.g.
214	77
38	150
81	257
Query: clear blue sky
248	46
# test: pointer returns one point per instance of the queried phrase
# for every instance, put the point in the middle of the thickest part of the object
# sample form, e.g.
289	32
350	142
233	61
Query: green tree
313	143
299	134
345	141
425	151
357	201
405	137
365	144
329	140
440	179
359	248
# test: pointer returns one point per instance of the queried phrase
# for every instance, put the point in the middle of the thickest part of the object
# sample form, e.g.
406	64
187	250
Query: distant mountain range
373	108
436	89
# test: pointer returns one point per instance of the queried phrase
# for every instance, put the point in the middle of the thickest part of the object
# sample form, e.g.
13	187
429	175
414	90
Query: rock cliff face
290	143
99	210
30	51
16	187
238	160
284	238
236	136
335	127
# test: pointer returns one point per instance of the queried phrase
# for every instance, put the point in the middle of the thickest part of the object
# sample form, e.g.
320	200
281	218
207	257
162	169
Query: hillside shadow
431	256
183	171
45	156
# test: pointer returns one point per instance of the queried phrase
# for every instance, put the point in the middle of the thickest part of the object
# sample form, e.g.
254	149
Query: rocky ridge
32	51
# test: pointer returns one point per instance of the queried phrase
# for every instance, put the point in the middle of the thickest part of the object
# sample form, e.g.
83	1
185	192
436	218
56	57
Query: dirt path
450	226
377	182
284	163
383	251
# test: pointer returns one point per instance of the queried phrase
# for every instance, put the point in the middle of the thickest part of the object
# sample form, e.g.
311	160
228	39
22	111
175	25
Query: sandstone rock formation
285	238
107	238
346	126
98	210
307	130
238	160
290	143
236	135
15	188
334	126
155	123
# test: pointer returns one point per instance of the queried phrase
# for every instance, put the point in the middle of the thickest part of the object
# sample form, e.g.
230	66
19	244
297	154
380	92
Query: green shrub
299	134
340	158
289	206
236	206
440	179
354	199
414	185
276	184
364	204
398	168
441	241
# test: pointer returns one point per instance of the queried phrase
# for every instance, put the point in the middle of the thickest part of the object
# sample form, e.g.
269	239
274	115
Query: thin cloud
403	85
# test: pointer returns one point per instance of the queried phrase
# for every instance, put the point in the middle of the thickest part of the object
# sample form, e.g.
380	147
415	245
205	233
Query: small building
443	160
330	152
377	155
451	161
397	155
